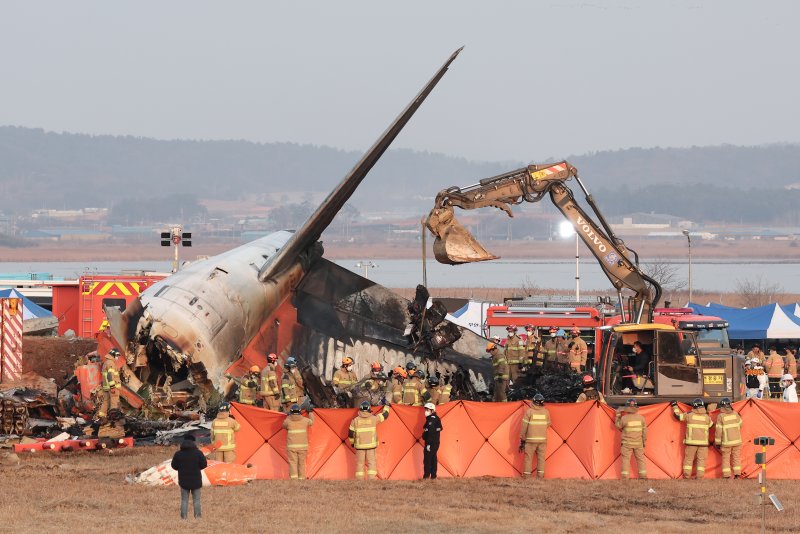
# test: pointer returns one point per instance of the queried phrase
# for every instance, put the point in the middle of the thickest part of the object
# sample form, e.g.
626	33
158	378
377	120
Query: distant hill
41	169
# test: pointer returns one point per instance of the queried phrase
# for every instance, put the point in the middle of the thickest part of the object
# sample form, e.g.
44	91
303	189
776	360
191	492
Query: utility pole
689	240
366	265
176	237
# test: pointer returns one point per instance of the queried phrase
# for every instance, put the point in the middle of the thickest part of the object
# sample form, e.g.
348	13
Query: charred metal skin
210	311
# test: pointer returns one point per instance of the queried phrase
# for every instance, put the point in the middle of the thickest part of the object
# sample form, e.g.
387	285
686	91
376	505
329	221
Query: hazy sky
536	79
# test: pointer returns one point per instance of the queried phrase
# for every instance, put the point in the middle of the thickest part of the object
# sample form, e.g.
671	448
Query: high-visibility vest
223	430
515	350
289	390
247	391
634	429
697	426
534	425
397	391
269	382
444	393
364	430
344	379
499	364
729	429
413	391
297	432
110	376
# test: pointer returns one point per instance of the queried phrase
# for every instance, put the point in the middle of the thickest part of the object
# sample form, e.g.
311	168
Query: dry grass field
86	492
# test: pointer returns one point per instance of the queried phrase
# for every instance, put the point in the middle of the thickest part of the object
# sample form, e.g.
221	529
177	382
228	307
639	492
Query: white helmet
430	406
788	377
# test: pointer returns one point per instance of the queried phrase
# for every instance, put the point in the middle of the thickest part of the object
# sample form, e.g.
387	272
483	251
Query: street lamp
689	240
565	230
366	265
176	237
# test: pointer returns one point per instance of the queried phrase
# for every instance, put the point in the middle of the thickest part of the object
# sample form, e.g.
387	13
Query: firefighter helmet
490	347
697	403
347	360
576	330
403	373
364	406
538	399
255	369
113	353
528	326
224	407
398	371
588	381
295	408
511	328
272	357
376	367
433	380
410	366
631	403
420	374
496	340
291	362
725	403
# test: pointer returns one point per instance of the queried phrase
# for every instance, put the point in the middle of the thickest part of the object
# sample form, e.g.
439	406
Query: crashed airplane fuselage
235	306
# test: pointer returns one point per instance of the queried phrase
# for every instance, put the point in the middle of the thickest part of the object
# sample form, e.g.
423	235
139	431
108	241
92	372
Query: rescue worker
499	371
634	438
445	391
515	353
755	380
413	388
791	361
562	352
290	389
248	388
728	438
531	345
590	392
533	436
375	388
291	367
574	356
297	441
580	346
363	436
270	391
552	346
756	354
111	384
430	435
774	366
698	424
344	378
434	390
398	376
789	388
223	430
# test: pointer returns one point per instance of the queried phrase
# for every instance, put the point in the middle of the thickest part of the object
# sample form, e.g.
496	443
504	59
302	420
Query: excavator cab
652	362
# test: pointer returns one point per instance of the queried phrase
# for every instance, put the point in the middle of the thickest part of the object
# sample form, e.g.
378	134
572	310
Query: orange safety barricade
482	439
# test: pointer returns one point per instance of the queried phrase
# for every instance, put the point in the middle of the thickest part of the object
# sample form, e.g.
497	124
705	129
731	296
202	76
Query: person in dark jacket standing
189	462
430	434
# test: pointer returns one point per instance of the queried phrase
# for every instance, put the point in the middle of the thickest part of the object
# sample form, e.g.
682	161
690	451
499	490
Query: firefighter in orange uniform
515	353
223	429
270	390
580	346
111	384
297	441
698	423
728	437
499	371
363	436
774	366
533	436
634	438
344	378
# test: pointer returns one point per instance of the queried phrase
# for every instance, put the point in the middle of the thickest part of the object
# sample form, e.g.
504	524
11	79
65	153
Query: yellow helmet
255	369
490	347
347	360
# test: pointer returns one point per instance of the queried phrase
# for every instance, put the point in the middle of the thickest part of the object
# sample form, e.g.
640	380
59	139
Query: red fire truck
79	306
721	370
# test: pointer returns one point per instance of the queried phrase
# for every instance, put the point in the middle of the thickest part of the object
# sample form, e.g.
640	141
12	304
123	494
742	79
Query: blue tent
765	322
30	310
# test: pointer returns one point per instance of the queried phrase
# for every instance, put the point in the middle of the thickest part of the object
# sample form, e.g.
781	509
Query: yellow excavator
455	245
671	367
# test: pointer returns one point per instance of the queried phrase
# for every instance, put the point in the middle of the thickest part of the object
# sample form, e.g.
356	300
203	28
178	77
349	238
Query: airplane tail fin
312	229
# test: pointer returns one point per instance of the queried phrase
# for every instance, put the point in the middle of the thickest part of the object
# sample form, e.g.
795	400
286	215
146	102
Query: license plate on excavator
713	380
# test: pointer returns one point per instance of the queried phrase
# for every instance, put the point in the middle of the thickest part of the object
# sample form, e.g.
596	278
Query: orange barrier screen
482	438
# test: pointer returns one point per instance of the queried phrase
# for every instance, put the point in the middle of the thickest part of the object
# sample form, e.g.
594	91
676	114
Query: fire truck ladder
87	282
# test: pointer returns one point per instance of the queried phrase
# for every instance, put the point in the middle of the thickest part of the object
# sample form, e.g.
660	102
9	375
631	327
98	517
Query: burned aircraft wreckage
278	294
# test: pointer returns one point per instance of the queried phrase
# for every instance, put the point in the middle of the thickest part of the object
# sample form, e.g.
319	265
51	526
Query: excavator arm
455	245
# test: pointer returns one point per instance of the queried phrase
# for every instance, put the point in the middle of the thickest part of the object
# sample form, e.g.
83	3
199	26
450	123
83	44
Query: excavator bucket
454	244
